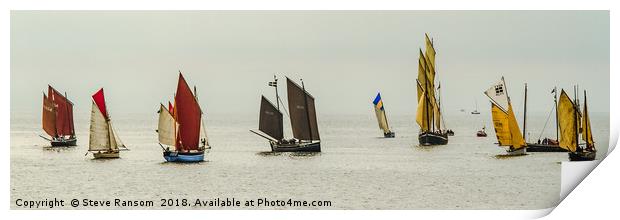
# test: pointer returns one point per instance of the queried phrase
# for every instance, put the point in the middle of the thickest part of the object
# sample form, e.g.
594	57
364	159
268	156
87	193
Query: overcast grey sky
344	57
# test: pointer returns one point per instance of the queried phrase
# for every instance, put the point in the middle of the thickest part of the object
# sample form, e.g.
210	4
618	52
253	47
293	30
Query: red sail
170	107
100	101
187	114
64	112
49	117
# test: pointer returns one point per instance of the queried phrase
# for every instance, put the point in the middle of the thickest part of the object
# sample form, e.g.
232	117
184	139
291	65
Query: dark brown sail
302	112
270	120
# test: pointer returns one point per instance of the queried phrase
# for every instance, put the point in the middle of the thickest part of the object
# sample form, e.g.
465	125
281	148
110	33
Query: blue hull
184	158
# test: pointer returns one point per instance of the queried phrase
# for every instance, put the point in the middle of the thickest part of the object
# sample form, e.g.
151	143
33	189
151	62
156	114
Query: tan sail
430	52
421	114
166	127
203	134
381	119
99	131
585	123
567	118
426	85
421	76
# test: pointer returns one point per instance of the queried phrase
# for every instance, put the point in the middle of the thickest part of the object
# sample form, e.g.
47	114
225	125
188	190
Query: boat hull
64	142
517	152
582	156
544	148
390	134
481	134
432	138
106	155
184	157
296	147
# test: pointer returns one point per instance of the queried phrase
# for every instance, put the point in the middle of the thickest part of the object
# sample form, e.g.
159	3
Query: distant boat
428	113
504	121
481	133
103	142
570	127
181	127
302	116
476	112
381	117
57	119
546	144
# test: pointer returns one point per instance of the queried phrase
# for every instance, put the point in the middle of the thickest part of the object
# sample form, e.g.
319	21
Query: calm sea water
358	169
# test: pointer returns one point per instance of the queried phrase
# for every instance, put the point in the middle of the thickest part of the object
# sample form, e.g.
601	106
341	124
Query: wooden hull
544	148
106	155
184	157
582	156
390	134
432	138
296	147
481	134
64	142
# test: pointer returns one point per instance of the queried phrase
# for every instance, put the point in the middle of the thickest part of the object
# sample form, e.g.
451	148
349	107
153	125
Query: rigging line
546	122
285	110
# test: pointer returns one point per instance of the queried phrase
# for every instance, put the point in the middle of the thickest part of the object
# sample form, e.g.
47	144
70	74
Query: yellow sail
506	127
430	51
586	128
567	123
437	116
421	113
517	138
421	75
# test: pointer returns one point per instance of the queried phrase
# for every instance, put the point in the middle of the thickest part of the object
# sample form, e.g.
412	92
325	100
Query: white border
594	193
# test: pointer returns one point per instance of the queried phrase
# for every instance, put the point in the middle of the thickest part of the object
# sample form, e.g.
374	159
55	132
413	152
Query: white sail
113	141
203	134
166	127
117	141
498	95
99	131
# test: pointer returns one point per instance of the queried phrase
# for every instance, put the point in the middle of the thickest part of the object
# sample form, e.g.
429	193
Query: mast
426	102
439	106
585	125
576	120
306	106
557	123
385	117
275	85
525	111
70	118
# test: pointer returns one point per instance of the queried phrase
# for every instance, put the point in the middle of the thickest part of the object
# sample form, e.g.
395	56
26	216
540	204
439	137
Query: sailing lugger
302	114
428	114
504	121
103	142
381	117
57	119
181	127
572	122
547	144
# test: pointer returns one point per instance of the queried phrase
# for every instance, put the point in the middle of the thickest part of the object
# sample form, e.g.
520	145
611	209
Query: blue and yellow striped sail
378	102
